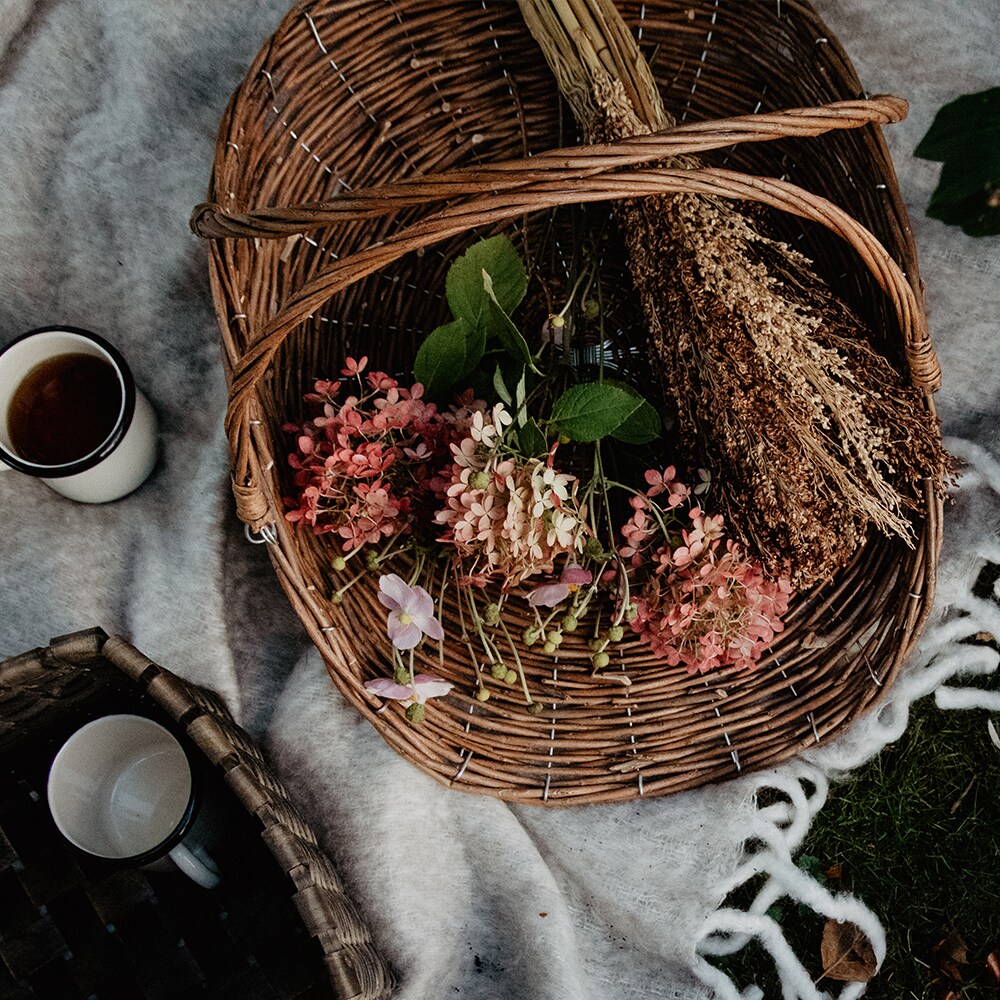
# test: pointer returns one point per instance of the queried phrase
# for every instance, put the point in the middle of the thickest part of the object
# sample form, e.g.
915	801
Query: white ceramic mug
121	788
121	462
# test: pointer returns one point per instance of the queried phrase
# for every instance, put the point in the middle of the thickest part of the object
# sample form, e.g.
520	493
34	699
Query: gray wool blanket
108	115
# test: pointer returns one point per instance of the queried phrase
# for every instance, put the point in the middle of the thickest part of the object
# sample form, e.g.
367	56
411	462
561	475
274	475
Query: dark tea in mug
64	408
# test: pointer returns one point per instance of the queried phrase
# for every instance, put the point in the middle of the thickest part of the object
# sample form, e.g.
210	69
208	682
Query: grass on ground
914	834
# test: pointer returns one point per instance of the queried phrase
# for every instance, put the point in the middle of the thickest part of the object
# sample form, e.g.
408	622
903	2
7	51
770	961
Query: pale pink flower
548	595
411	612
424	686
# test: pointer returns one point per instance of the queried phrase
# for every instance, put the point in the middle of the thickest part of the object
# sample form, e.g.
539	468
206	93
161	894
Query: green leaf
464	285
521	401
965	135
592	410
961	126
498	324
644	425
448	355
531	441
501	387
968	197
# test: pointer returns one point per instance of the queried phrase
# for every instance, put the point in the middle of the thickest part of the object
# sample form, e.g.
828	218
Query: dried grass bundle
812	436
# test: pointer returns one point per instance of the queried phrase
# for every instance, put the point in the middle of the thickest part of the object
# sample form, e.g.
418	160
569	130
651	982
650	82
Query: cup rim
114	438
168	843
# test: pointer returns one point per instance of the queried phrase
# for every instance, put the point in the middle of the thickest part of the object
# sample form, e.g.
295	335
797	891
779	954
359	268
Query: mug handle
202	870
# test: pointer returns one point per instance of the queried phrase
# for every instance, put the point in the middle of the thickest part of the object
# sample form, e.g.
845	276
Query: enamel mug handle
201	870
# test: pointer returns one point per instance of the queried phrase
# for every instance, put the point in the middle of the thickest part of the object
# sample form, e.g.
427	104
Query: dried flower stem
815	436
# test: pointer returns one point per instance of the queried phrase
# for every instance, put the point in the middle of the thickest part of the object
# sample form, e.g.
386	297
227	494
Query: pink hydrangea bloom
712	609
367	462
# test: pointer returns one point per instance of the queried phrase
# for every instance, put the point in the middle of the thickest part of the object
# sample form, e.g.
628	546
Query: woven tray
369	144
278	927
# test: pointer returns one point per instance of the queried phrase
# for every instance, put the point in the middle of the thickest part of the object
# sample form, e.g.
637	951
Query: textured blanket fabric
108	113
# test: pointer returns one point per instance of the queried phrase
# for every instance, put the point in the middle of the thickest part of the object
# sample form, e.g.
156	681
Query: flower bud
479	480
591	309
616	633
371	559
549	647
600	660
336	597
530	636
499	671
510	677
594	549
415	713
569	623
555	638
483	694
491	615
535	708
339	563
401	676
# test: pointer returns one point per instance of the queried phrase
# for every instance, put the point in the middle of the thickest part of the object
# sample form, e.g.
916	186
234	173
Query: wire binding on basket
319	267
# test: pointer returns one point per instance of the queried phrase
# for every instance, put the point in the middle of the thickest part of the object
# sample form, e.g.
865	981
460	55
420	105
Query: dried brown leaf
993	968
950	955
847	953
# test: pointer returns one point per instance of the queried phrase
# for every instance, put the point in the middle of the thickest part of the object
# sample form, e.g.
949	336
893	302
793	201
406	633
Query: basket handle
212	221
488	210
512	195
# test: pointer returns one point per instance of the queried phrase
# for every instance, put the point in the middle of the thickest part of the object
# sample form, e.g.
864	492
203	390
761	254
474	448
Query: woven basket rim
509	189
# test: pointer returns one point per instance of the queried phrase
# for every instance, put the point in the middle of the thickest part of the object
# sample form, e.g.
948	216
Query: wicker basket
71	927
369	144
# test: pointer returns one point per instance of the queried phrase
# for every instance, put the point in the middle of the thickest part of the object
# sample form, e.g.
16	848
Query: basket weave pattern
368	146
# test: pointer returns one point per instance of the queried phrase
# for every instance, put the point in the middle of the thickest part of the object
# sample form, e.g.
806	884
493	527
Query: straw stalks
812	437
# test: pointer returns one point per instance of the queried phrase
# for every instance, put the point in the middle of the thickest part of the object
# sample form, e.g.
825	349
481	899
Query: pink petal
403	636
429	686
548	595
388	689
420	604
576	574
393	591
430	626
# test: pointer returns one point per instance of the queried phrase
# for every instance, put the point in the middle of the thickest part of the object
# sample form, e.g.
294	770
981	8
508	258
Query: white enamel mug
121	789
121	462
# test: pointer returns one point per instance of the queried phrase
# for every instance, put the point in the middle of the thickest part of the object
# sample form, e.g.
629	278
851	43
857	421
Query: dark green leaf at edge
644	425
975	215
965	135
961	124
